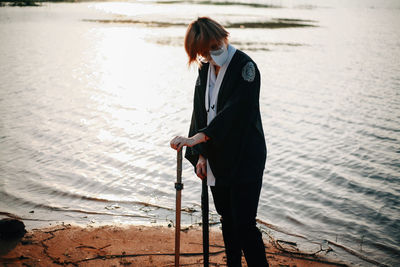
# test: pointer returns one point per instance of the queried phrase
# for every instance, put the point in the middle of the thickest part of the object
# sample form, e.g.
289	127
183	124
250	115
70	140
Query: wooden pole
178	187
204	211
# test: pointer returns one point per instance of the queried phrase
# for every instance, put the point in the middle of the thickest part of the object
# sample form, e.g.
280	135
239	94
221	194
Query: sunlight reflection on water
88	110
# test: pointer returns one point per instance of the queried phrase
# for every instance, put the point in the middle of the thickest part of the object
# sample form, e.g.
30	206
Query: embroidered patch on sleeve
198	81
249	72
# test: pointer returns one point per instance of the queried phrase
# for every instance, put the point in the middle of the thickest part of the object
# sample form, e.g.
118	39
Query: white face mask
220	56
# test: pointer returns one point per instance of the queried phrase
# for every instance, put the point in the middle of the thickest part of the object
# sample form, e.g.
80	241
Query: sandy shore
133	246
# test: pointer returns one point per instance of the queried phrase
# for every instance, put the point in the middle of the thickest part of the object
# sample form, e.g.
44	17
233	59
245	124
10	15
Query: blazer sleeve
192	154
197	121
236	111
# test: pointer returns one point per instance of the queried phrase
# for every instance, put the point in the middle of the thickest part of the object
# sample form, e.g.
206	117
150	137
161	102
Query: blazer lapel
228	75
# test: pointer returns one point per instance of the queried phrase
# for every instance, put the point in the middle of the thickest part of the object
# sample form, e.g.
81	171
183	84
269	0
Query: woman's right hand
201	167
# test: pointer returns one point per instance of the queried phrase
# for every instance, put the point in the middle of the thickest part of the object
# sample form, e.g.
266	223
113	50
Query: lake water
91	93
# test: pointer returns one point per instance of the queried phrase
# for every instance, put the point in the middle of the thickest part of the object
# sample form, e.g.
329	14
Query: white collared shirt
212	90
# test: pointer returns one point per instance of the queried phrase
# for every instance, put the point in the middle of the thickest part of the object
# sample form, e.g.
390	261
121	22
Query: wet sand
134	246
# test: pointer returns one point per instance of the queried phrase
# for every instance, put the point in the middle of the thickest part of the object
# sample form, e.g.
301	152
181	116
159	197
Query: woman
226	142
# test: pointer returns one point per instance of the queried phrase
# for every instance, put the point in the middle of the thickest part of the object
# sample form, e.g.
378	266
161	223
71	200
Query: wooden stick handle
179	167
178	187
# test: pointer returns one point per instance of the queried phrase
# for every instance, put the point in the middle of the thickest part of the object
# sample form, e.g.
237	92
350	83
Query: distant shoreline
200	2
24	3
273	23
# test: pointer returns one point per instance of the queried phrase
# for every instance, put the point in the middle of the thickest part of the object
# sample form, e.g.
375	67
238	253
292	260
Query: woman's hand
201	167
179	141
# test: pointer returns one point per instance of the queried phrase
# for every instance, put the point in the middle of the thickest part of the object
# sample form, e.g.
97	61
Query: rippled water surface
91	94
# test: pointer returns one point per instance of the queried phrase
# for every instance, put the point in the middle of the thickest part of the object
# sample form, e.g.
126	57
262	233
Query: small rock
11	229
11	233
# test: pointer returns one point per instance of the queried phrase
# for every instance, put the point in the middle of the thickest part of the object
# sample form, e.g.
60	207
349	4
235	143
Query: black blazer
236	150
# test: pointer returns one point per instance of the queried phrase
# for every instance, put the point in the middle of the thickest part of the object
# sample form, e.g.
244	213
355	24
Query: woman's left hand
179	141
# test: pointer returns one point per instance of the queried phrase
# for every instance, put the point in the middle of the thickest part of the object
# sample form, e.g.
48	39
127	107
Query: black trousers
237	206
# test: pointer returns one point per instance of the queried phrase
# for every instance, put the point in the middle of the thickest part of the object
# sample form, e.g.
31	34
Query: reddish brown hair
201	35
